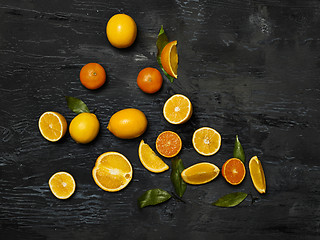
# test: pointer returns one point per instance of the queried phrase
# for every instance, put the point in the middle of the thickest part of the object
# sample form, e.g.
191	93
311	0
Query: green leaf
162	41
238	150
231	199
76	105
179	185
153	197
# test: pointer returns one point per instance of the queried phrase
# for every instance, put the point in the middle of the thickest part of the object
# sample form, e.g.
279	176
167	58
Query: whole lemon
128	123
84	128
121	31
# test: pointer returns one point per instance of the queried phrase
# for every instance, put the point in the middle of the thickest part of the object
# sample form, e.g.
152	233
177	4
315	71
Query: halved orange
200	173
62	185
206	141
112	171
257	174
168	144
52	126
169	59
233	171
150	160
177	109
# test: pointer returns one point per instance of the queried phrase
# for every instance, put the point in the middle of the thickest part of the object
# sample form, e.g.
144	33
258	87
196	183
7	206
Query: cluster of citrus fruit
113	171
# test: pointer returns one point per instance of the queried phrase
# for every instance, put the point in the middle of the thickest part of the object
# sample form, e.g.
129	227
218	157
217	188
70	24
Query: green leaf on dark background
231	199
176	179
153	197
238	150
76	105
162	41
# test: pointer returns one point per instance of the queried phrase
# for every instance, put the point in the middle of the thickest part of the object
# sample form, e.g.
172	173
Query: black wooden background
249	68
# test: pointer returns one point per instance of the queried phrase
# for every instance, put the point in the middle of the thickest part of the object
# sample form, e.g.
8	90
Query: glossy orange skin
92	76
149	80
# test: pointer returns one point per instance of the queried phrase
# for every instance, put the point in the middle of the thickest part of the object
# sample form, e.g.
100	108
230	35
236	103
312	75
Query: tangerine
168	144
92	76
233	171
149	80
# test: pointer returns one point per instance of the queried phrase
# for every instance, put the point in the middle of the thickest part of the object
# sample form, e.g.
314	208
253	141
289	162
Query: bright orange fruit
257	175
206	141
168	144
233	171
92	76
62	185
177	109
52	126
200	173
169	59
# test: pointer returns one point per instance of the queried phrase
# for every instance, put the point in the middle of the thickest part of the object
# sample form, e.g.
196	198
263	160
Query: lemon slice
52	126
62	185
200	173
206	141
150	160
257	175
177	109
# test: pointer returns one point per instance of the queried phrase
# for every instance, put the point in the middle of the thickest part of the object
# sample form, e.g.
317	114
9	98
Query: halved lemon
62	185
150	160
200	173
177	109
169	59
52	126
112	171
206	141
257	174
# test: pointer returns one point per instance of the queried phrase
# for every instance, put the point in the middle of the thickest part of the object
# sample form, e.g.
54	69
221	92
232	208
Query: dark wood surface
249	68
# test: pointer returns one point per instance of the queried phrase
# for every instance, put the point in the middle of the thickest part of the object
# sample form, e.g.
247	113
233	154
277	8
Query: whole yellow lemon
121	31
84	128
128	123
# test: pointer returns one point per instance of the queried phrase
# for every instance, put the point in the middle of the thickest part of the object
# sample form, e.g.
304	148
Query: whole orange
149	80
92	76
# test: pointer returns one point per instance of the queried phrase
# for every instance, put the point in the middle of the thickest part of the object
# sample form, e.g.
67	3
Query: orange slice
200	173
150	160
168	144
177	109
169	59
112	171
206	141
233	171
52	126
62	185
257	174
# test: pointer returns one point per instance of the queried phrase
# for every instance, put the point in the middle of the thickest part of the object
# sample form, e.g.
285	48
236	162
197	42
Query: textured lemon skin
121	31
84	128
128	123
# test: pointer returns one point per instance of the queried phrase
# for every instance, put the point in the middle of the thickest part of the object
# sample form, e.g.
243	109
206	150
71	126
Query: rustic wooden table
249	68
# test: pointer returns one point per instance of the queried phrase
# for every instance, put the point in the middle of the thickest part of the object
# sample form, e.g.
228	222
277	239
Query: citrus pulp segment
257	174
168	144
206	141
169	59
112	171
200	173
150	160
177	109
234	171
52	126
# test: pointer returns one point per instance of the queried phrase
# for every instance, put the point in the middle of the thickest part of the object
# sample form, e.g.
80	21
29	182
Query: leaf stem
177	197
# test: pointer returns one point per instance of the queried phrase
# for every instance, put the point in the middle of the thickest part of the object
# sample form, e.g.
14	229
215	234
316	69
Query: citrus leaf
179	185
238	150
162	41
231	199
76	105
153	197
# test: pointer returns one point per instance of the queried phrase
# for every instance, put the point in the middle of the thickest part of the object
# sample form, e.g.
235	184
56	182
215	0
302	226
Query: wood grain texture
249	68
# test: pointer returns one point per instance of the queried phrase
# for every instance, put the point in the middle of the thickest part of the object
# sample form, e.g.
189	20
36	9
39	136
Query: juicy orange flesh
174	59
207	141
177	109
201	173
50	126
234	171
257	174
168	144
113	171
151	159
62	185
